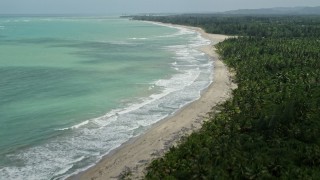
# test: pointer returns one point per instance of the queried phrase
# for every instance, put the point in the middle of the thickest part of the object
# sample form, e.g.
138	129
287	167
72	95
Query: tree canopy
270	128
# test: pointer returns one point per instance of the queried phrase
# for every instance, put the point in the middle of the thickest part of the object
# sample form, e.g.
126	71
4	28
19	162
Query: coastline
138	152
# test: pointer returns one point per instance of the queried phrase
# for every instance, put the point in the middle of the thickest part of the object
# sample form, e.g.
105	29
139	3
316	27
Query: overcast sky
139	6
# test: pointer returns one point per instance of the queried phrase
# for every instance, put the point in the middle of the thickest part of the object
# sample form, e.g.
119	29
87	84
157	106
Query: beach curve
137	153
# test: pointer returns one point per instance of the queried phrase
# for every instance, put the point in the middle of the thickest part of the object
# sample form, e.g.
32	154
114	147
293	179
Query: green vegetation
262	26
278	11
270	128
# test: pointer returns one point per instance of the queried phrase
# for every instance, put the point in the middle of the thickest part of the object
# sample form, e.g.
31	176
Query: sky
139	6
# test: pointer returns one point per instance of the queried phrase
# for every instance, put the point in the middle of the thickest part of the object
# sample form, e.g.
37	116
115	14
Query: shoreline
134	155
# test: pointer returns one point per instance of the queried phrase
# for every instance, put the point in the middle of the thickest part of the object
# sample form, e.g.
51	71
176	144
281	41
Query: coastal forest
270	128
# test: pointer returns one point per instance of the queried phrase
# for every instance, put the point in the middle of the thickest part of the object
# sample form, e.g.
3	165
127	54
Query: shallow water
74	88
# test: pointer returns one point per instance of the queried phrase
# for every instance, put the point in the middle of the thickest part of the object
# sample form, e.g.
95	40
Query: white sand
136	154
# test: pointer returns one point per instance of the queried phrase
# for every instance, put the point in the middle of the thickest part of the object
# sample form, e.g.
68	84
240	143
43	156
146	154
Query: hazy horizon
140	6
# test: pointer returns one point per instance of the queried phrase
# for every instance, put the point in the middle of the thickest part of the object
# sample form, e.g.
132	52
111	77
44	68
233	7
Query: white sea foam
134	38
18	21
59	174
75	126
182	31
79	125
88	141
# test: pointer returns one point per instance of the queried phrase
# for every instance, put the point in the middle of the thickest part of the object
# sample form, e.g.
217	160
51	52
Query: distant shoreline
138	152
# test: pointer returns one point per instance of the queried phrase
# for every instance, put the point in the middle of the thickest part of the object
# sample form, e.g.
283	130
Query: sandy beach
135	155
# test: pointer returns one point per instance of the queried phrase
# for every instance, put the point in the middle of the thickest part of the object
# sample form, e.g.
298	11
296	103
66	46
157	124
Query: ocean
72	89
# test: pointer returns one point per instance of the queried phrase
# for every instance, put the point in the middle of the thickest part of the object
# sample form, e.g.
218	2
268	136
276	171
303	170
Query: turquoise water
72	89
